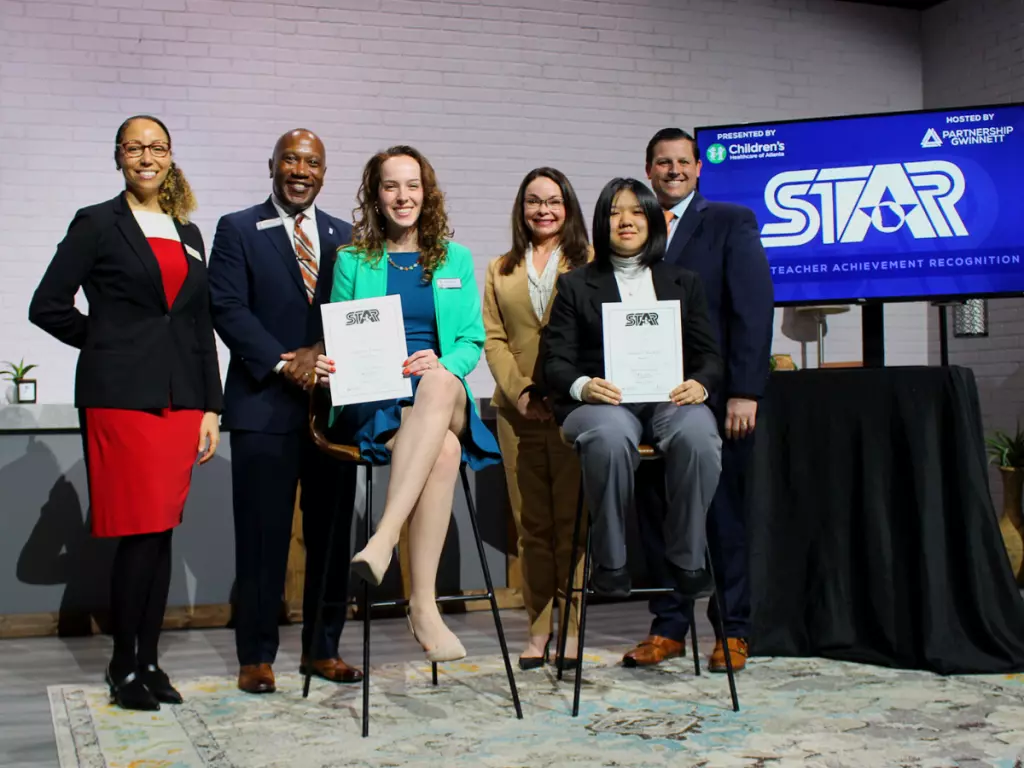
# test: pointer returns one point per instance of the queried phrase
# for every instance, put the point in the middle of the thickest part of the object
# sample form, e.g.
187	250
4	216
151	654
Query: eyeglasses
135	149
552	203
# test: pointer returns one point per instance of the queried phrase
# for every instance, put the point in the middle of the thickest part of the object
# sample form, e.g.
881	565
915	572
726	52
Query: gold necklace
401	268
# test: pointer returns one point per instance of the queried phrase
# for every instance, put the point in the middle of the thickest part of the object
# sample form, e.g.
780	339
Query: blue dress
371	425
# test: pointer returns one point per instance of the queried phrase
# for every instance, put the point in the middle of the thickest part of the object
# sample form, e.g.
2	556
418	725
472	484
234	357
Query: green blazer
460	324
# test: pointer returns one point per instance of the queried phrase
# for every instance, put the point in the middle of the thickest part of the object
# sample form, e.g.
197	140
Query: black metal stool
647	453
350	453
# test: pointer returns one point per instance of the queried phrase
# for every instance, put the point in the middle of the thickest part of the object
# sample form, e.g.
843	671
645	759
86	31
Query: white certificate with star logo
366	340
643	349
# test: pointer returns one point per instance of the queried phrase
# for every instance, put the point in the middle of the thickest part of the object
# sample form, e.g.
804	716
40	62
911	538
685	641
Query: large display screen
901	206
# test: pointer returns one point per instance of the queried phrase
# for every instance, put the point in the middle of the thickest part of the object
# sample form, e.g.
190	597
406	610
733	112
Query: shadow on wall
59	549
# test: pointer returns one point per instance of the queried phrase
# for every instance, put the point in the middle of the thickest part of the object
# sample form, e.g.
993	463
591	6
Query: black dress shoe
693	585
131	693
156	680
610	582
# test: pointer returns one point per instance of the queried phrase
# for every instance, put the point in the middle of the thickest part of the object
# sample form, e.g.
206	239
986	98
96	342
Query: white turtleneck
635	285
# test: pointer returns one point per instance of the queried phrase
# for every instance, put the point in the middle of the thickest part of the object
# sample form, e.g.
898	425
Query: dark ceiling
919	5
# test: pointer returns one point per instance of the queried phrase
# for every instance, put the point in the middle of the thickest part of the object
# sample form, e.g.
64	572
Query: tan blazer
513	331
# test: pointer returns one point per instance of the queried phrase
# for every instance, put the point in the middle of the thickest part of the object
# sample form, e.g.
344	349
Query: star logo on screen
888	216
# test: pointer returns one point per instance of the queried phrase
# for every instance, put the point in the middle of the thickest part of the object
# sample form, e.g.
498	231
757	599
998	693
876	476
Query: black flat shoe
156	680
131	693
611	582
527	663
693	585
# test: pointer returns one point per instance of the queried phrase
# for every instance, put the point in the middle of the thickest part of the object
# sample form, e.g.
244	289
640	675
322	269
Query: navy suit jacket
721	242
260	310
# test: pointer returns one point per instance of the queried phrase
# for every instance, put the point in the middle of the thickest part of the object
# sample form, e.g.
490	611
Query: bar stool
647	453
318	409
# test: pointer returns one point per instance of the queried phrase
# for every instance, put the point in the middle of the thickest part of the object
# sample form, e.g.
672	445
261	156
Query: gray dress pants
606	437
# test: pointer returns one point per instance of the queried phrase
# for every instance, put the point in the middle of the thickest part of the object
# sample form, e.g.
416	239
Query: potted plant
1007	452
24	389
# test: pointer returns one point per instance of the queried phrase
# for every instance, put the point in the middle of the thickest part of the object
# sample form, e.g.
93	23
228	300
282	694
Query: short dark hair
671	134
657	232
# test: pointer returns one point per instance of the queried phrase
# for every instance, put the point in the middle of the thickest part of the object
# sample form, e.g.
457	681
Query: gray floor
28	666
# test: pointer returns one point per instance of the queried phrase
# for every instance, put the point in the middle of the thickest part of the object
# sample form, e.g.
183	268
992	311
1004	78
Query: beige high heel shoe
453	651
370	570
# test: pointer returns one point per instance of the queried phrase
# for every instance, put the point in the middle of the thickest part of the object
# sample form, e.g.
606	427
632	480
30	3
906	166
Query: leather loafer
131	693
654	650
693	585
610	582
335	670
159	684
737	655
256	678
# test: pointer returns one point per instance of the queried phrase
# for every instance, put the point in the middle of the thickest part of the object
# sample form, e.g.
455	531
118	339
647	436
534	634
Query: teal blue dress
371	425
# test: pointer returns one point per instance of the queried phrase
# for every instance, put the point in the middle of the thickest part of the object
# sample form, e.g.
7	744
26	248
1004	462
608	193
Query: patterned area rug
794	712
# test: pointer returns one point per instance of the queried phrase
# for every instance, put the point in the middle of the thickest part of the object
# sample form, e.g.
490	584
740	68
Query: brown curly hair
368	230
176	198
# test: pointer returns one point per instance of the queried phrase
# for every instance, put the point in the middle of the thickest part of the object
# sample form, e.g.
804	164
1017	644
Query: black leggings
140	582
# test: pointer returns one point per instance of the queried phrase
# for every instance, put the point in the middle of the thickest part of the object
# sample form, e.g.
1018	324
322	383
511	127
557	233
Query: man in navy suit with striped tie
271	267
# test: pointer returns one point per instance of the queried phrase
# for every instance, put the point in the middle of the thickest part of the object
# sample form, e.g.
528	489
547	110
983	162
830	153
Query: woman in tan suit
549	237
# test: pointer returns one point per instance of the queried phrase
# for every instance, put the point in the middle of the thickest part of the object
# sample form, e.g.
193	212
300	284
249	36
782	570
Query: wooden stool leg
583	625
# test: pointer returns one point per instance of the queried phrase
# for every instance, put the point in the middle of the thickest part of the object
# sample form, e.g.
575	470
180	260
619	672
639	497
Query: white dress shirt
308	228
678	209
542	285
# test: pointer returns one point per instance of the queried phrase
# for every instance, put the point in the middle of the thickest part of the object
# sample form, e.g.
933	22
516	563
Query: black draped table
873	535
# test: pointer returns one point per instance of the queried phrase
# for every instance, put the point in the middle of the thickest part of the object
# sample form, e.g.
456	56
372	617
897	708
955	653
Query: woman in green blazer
400	246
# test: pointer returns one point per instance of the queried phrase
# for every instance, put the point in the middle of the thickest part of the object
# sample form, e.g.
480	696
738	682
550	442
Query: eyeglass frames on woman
157	149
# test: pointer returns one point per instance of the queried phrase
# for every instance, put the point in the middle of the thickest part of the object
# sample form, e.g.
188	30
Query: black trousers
265	469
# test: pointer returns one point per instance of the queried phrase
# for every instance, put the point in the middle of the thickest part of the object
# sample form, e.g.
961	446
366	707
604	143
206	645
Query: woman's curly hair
368	231
175	197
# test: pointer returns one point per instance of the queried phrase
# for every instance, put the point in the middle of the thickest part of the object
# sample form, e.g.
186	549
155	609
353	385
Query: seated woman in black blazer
629	237
147	383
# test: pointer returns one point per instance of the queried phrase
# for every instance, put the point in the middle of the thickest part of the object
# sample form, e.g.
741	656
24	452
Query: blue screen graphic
902	206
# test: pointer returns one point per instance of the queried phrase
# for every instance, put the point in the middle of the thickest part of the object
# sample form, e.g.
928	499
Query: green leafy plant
1006	450
16	371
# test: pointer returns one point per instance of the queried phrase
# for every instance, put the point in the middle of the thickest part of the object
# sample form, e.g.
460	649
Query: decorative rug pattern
793	712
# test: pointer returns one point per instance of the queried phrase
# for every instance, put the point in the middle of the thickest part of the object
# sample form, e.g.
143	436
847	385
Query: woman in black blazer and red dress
147	383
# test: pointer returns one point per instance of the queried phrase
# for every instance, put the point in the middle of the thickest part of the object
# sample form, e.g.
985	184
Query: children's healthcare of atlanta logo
716	153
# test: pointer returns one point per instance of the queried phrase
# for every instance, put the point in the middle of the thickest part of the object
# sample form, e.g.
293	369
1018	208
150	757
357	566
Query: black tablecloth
873	534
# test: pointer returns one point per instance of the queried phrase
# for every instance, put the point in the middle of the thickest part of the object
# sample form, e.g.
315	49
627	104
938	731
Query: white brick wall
973	53
486	88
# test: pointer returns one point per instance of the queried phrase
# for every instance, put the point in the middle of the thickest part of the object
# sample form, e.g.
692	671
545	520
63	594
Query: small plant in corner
1006	450
24	388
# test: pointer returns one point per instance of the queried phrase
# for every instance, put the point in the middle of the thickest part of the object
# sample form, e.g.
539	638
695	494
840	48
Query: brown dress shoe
737	654
256	678
335	670
654	650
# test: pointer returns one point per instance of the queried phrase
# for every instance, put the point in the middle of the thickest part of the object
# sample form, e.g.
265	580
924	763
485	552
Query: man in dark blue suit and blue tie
720	242
271	267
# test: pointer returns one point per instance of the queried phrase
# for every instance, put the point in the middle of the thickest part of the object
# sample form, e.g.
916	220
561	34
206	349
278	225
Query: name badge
268	223
192	252
449	282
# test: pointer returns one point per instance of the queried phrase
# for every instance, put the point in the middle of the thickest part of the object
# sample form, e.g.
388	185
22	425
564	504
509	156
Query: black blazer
721	242
572	344
136	352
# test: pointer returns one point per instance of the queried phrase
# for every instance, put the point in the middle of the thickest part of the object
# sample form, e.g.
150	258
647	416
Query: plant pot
1011	522
24	390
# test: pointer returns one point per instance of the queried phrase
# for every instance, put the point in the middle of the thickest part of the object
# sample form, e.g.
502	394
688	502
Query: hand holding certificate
367	338
643	350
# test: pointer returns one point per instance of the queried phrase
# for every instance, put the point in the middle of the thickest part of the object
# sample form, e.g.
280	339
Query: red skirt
140	468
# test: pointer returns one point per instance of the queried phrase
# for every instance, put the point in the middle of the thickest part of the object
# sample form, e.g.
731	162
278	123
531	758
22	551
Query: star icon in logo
888	216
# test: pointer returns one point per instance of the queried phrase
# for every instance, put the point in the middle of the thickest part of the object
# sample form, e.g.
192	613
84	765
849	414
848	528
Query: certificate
643	349
366	340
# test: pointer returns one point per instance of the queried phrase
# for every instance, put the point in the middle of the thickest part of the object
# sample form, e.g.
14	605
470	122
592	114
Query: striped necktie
307	257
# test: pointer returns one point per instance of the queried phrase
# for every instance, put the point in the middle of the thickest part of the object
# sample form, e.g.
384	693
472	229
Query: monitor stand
872	328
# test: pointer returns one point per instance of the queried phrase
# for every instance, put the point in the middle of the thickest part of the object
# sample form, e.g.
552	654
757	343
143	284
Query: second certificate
366	340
